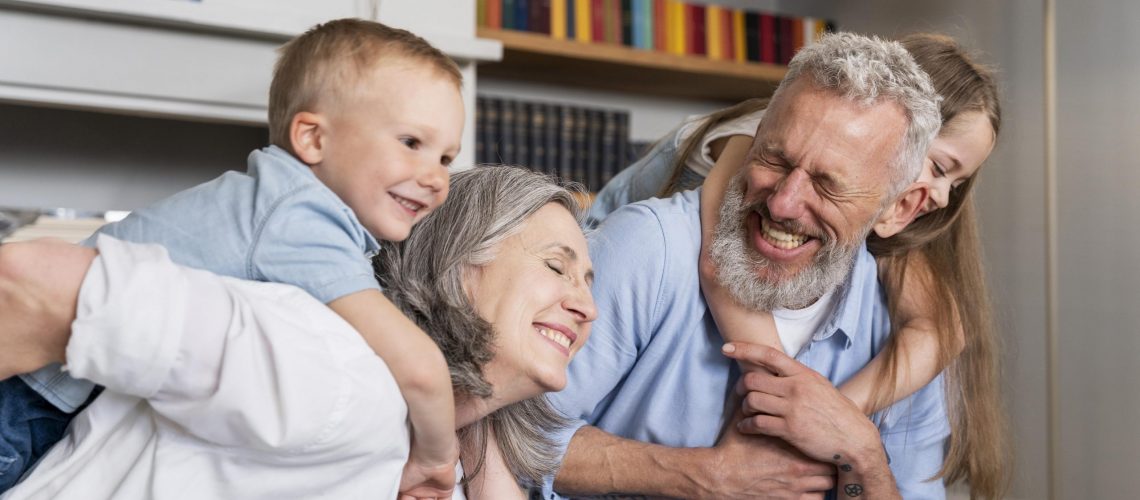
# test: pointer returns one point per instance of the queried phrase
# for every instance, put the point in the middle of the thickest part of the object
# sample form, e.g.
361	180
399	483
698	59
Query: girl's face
956	155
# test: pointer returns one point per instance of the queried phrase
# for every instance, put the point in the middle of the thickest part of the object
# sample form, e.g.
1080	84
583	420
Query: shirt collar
285	164
845	317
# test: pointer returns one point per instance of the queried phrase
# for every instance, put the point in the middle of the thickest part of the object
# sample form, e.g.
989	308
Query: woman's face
536	295
955	156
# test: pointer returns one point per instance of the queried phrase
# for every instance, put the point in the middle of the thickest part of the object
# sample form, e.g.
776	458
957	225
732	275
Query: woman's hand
39	288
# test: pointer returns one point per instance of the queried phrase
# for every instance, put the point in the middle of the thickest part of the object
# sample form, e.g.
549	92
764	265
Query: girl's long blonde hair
942	248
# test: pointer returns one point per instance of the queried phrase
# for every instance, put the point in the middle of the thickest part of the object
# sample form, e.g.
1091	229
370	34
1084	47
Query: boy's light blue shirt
276	222
652	369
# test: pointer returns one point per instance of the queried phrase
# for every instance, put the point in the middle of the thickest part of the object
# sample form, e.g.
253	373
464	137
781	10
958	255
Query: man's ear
306	131
903	211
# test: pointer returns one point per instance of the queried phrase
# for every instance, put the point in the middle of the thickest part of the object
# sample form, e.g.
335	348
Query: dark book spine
522	15
571	21
550	138
495	130
480	130
626	23
522	134
565	142
752	36
787	39
622	145
537	137
509	124
768	38
509	12
581	145
540	16
594	148
699	30
609	159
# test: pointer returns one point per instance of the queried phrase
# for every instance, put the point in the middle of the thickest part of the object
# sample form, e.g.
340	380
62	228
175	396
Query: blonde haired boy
364	121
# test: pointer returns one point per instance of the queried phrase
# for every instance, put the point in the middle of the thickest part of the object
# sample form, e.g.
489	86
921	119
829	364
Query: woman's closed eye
556	266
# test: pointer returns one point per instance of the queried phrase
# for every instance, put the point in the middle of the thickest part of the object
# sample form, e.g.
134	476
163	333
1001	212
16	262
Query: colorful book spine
637	23
660	26
494	17
767	33
583	21
613	21
558	24
739	49
714	38
481	13
598	20
797	34
522	15
697	37
726	45
509	14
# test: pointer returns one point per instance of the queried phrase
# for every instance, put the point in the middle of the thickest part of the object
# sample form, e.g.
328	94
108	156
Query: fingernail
728	348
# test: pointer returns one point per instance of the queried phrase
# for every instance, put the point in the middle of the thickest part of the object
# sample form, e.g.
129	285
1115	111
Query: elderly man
652	392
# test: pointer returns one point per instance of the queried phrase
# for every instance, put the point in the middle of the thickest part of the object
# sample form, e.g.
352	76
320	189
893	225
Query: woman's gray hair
424	276
868	70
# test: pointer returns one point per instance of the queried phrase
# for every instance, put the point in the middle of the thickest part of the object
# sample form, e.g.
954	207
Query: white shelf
204	61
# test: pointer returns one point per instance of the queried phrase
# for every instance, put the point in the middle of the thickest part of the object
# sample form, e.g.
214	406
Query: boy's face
386	147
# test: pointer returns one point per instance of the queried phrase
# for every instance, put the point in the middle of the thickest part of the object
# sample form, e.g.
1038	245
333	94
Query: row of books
575	143
671	26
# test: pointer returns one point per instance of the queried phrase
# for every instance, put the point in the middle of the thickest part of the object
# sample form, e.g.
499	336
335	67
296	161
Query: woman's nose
581	303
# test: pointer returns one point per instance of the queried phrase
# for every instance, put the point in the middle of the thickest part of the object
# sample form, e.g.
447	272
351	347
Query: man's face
812	188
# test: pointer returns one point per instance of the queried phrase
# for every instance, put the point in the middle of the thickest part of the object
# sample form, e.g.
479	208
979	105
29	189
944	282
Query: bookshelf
540	58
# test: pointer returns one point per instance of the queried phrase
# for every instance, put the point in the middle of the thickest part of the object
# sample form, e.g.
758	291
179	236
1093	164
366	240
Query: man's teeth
778	238
556	336
408	204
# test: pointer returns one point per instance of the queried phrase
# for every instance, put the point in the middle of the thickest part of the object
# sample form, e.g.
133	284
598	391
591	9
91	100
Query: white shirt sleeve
256	365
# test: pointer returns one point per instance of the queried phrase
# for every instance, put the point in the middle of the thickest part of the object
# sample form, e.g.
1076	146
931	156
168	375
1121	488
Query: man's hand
39	288
761	467
800	406
427	481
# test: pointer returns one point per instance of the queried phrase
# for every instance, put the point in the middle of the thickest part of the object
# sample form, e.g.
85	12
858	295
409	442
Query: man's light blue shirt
652	369
276	222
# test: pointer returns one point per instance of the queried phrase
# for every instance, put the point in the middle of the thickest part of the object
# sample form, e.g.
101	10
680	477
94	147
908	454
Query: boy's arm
735	322
919	352
421	372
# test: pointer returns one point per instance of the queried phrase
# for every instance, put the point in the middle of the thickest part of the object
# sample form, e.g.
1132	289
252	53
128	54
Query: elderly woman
220	388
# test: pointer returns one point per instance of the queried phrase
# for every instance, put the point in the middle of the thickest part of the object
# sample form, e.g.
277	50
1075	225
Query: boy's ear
903	211
306	131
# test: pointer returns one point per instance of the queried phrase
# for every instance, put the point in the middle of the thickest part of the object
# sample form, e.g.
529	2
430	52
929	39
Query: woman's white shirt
219	388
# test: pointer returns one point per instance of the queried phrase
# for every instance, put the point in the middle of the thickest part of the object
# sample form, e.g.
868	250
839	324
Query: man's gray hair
424	276
869	70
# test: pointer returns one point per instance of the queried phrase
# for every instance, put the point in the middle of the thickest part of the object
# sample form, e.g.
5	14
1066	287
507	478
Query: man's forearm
866	475
599	463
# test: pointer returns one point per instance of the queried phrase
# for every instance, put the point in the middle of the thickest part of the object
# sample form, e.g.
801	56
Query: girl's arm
736	323
918	349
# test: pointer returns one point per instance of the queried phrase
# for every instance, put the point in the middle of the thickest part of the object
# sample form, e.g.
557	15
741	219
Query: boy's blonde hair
328	60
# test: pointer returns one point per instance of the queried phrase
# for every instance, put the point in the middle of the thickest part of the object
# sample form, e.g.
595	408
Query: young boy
364	120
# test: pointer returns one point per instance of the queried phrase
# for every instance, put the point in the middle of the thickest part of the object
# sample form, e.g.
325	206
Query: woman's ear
306	137
903	210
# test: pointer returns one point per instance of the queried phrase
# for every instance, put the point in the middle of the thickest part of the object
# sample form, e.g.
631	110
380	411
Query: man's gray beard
739	265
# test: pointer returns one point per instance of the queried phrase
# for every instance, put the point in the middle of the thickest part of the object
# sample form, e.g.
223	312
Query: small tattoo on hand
853	490
836	457
845	467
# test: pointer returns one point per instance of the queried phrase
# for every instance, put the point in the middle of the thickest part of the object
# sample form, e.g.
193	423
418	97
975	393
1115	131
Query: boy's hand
425	480
39	287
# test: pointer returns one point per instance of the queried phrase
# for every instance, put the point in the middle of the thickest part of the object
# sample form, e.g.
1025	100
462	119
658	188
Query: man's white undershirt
796	326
